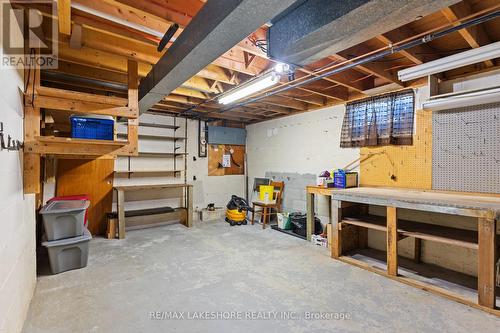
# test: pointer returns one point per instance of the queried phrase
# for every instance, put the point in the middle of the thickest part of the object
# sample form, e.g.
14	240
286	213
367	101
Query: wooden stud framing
64	16
32	119
133	104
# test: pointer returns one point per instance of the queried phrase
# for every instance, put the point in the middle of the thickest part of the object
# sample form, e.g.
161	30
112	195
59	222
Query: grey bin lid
64	206
69	241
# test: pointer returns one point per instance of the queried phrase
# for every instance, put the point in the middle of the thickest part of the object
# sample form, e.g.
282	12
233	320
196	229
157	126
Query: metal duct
318	28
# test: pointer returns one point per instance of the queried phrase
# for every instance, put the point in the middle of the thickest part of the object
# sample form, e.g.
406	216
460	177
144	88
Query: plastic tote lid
64	206
68	241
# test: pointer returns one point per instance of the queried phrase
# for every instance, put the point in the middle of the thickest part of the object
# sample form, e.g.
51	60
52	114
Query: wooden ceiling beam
183	99
189	93
309	98
376	69
169	14
270	108
201	84
127	13
418	54
285	102
475	36
83	71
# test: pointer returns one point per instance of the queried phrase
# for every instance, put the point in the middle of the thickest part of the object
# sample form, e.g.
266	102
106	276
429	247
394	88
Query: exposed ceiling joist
217	27
474	36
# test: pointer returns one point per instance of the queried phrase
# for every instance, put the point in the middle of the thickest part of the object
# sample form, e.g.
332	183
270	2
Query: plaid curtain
380	120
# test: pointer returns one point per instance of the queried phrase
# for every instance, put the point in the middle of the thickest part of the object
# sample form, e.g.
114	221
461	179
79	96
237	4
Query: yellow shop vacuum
236	212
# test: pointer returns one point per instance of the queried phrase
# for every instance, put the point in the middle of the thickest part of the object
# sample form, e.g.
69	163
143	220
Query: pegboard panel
401	166
215	153
466	155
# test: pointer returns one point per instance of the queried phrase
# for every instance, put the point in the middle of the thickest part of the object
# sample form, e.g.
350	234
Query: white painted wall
17	211
304	143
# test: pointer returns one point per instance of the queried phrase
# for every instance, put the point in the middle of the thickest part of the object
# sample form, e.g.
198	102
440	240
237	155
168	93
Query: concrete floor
218	268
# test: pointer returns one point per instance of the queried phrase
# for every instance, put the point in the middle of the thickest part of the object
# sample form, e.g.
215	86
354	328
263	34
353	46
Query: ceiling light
282	68
249	88
480	54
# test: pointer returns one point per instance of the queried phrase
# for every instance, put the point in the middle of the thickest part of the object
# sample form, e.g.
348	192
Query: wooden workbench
120	195
311	192
351	222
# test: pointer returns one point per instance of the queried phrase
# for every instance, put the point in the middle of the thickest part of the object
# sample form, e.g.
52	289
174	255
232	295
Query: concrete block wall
17	211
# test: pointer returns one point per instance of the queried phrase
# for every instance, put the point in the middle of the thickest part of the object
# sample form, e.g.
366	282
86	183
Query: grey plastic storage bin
64	219
69	253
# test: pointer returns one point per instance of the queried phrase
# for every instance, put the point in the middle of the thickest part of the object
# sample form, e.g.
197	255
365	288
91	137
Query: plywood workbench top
468	204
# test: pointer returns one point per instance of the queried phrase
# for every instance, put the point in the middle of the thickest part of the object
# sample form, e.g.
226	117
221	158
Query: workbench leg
336	242
486	262
310	215
121	213
189	217
417	250
392	241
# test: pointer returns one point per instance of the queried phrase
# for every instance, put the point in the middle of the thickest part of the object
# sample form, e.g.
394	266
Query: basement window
379	121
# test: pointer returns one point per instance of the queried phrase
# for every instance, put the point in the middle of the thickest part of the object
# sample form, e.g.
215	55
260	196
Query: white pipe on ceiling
481	97
469	57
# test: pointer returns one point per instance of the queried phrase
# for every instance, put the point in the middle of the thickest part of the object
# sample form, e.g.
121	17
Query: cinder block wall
17	211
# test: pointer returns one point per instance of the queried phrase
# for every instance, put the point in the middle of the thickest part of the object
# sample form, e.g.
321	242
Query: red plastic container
74	197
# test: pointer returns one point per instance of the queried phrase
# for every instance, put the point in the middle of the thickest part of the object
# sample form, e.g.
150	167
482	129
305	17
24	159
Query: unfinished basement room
249	166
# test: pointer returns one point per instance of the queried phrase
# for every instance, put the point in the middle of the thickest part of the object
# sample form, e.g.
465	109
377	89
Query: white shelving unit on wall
162	155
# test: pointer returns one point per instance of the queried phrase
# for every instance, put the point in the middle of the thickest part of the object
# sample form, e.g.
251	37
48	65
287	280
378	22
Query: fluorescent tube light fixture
474	56
247	89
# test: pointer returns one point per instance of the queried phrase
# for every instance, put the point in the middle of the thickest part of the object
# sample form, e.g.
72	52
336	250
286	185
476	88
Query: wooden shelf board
152	154
425	231
141	124
154	136
70	146
146	171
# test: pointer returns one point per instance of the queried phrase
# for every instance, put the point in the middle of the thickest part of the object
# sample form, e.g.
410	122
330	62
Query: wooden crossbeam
475	36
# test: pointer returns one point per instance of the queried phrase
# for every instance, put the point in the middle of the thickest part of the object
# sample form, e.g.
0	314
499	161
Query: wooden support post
64	16
336	232
486	262
433	82
133	104
32	118
310	215
120	195
189	208
417	251
392	241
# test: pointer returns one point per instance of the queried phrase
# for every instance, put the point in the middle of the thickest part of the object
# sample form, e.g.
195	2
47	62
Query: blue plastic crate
92	128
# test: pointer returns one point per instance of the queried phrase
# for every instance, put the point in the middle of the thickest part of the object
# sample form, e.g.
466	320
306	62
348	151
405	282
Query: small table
311	191
120	194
